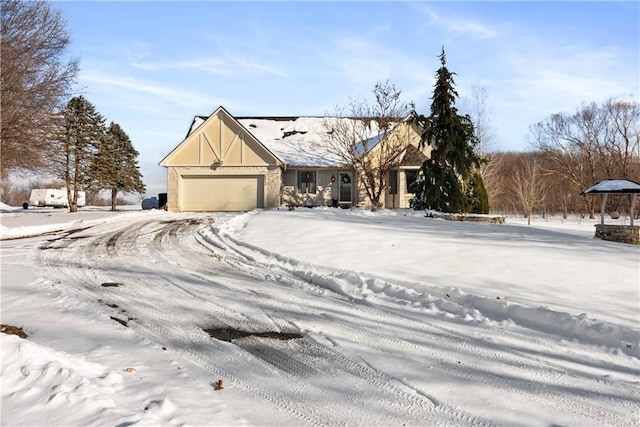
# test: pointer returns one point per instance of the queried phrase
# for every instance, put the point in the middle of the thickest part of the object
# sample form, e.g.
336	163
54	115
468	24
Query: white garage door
228	193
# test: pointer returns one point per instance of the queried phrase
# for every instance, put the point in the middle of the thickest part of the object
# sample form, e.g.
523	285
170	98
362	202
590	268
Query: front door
345	188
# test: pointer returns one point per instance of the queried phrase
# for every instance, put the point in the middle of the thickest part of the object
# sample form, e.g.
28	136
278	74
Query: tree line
570	153
42	131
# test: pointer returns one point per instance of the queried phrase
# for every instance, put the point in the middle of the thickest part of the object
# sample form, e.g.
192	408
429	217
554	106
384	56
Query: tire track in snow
234	257
545	381
161	332
113	249
386	380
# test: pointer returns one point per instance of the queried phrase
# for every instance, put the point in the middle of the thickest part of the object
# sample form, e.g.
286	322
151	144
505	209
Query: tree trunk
73	206
114	193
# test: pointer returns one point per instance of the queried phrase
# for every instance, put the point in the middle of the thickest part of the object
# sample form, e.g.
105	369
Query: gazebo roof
614	186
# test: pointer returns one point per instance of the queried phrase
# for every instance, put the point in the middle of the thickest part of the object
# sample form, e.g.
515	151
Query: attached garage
222	193
221	166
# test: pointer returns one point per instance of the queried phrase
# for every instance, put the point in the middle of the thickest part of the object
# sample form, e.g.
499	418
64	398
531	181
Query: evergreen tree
115	166
453	159
79	133
477	194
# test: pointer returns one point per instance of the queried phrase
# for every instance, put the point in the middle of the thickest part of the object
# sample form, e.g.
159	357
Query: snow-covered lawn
315	316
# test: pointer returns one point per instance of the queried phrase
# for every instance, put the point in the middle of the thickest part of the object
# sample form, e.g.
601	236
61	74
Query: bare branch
361	135
528	186
35	79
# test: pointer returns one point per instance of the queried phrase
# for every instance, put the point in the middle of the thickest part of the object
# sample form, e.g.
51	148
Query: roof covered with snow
614	186
297	141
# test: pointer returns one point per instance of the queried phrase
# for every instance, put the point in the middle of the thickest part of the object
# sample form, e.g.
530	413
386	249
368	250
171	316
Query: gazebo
617	233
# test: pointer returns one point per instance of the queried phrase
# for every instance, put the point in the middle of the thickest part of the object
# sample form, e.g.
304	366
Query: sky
152	66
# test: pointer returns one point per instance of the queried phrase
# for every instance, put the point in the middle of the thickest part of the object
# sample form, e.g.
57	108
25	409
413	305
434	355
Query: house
238	164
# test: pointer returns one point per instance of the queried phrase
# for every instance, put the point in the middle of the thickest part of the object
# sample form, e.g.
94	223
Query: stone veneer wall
618	233
492	219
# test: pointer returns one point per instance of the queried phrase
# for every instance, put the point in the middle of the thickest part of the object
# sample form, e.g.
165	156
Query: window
411	177
306	181
393	182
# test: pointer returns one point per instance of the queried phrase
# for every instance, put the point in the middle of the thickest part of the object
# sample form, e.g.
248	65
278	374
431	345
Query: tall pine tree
115	166
80	130
453	160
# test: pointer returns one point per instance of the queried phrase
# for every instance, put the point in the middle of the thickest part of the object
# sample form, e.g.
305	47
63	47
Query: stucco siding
172	189
403	196
327	188
405	134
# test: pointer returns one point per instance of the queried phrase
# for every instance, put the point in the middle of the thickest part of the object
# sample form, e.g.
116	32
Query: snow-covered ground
315	316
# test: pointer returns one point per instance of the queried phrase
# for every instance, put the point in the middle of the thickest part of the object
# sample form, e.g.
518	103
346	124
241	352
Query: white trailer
52	197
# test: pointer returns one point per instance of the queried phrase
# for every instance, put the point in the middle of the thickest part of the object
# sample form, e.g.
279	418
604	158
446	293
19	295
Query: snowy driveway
292	347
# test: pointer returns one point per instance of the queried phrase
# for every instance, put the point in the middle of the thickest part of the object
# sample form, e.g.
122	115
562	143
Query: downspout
284	169
397	193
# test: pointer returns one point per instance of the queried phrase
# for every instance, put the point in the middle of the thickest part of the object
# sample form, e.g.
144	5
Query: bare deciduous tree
528	185
492	177
623	142
558	139
597	142
479	110
35	78
356	129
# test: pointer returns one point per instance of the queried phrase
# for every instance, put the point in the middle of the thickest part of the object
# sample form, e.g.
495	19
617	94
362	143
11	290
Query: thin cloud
219	66
135	49
364	61
461	26
547	80
211	65
263	68
571	75
159	92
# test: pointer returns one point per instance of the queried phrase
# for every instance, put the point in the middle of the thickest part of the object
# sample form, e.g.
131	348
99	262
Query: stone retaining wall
618	233
493	219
